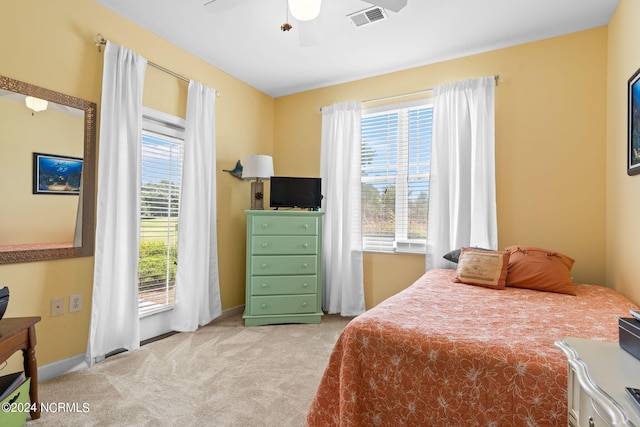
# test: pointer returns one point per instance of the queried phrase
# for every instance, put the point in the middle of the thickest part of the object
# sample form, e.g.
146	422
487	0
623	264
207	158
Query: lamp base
257	195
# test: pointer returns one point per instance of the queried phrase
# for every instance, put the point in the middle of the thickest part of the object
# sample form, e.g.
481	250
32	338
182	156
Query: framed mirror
47	174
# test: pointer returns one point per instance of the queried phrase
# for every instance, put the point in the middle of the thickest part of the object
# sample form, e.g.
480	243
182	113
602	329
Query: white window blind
396	157
162	148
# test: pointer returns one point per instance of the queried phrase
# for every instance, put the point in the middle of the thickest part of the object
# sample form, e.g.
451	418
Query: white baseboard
61	367
229	313
78	363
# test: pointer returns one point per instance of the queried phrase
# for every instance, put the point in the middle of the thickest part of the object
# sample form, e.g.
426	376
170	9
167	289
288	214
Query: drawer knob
264	285
265	225
264	245
305	285
306	245
305	265
263	305
305	226
304	303
264	266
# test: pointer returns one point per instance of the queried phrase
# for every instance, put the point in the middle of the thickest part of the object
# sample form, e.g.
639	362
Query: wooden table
19	333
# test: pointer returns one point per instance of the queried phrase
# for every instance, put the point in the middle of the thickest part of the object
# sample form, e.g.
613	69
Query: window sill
405	251
152	309
387	245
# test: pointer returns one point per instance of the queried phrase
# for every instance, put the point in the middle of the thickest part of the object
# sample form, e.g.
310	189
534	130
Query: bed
442	353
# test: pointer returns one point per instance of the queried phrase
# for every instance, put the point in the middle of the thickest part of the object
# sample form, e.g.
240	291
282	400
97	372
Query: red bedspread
447	354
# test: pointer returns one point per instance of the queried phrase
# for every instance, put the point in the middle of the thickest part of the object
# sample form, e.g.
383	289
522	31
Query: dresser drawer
278	285
285	225
286	304
591	414
273	265
298	245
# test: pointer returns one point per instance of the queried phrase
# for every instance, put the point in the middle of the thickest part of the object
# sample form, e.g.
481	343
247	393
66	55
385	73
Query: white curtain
77	234
197	282
114	311
342	269
462	199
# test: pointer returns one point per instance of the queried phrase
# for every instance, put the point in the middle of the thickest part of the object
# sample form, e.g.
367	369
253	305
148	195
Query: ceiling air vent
368	16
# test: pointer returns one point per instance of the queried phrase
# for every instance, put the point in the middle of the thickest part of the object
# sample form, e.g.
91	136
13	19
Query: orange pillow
540	269
482	268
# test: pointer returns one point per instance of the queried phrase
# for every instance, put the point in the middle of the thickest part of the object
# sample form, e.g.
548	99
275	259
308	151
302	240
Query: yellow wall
550	132
50	44
623	191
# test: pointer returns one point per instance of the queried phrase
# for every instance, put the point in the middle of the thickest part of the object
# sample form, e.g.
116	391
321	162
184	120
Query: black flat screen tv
295	192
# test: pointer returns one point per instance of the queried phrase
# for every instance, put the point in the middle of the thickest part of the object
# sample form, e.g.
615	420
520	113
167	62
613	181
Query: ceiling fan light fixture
36	104
305	10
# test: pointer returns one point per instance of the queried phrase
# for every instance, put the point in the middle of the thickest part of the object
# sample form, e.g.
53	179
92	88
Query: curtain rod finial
99	40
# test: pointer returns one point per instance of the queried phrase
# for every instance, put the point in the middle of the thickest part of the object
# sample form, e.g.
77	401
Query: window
396	157
161	166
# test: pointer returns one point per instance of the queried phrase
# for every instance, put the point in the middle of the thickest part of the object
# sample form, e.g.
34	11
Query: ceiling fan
306	11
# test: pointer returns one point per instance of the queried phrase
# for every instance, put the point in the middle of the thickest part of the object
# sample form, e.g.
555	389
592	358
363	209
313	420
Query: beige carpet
224	374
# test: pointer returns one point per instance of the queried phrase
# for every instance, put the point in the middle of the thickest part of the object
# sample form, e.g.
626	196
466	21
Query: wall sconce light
257	166
36	104
305	10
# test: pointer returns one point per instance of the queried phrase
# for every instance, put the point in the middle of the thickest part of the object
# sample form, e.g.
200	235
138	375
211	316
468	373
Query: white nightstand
598	373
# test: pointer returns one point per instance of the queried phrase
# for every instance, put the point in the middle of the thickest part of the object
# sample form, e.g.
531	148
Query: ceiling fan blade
392	5
220	6
308	32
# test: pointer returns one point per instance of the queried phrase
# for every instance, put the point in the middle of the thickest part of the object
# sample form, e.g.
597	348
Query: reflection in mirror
44	218
48	210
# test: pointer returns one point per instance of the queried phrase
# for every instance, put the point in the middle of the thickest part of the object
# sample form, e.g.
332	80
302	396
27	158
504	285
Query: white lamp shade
257	166
305	10
36	104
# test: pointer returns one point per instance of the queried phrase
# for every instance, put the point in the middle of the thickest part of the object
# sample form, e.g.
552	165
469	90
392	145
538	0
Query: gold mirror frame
88	176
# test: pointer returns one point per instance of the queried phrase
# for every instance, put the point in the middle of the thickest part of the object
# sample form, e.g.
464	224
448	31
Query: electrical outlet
57	307
75	303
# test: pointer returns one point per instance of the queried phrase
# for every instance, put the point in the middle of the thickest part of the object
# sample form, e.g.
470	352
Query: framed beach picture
53	174
633	125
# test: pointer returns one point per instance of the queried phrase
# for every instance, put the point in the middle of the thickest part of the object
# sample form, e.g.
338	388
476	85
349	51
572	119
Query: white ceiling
247	42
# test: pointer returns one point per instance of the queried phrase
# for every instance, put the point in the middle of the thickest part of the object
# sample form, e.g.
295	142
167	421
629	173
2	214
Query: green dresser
284	268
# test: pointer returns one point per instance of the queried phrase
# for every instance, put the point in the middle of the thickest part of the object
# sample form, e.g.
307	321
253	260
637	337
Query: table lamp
258	167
